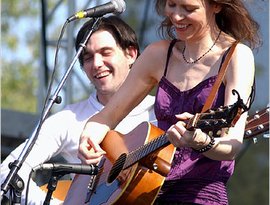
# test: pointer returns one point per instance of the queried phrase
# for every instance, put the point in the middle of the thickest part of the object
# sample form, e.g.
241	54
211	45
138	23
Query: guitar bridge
94	179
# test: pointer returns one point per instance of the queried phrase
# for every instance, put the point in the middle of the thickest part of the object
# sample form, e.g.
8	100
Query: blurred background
30	30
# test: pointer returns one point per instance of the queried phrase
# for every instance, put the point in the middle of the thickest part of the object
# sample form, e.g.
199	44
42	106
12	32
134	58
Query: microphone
69	168
115	6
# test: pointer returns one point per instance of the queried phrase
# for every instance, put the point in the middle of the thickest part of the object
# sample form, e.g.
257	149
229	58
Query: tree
18	79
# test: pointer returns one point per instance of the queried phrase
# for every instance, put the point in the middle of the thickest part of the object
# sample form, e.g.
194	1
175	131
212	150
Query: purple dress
193	177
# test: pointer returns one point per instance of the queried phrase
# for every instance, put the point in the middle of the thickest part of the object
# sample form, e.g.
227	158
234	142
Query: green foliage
18	87
17	9
18	78
250	183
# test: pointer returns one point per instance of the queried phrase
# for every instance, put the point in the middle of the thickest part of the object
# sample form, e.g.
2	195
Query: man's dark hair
123	34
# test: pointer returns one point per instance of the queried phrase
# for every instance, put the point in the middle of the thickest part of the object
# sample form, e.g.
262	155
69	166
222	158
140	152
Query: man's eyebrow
106	48
88	52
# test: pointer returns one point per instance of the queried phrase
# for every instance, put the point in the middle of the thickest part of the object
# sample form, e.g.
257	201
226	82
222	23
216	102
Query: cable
48	94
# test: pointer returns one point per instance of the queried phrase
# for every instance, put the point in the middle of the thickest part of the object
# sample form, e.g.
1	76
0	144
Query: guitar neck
212	120
146	149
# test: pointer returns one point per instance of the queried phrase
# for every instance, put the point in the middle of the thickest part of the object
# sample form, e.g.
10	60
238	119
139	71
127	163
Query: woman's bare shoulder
243	55
158	46
152	60
156	52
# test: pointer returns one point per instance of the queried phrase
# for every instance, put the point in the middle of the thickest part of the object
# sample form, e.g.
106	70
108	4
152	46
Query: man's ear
132	54
217	8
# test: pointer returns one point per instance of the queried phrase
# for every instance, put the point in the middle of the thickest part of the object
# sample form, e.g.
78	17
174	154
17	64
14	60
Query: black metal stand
51	187
16	165
17	185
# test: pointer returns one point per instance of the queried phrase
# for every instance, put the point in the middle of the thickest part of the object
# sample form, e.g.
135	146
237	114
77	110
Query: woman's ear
132	54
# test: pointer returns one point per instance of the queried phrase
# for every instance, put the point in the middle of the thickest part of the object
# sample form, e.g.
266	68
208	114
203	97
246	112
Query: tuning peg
260	127
266	135
223	121
248	132
210	133
256	116
255	140
220	109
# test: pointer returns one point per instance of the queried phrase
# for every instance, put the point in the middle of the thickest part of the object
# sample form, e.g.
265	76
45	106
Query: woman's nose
177	16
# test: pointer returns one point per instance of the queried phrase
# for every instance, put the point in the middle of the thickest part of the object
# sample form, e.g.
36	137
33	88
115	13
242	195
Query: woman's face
192	19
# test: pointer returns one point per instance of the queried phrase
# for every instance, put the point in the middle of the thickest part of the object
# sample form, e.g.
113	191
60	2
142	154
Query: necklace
195	61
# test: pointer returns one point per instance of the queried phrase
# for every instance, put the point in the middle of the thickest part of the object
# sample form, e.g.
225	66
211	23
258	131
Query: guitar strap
221	74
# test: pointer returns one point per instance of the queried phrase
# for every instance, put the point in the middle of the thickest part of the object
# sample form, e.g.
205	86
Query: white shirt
60	134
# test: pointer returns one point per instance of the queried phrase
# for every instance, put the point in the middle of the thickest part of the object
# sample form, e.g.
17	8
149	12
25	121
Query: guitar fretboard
146	149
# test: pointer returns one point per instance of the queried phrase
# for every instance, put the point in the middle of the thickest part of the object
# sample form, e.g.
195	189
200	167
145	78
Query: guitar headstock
215	119
257	123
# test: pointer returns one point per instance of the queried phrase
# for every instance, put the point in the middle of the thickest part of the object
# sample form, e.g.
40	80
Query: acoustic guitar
137	163
146	154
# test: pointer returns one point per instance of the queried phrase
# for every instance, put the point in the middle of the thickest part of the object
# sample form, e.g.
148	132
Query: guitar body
142	183
139	184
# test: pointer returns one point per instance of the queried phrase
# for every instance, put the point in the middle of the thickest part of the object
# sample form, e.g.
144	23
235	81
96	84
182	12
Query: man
106	60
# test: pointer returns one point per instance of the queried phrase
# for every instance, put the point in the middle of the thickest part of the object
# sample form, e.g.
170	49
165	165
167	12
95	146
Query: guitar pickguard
104	192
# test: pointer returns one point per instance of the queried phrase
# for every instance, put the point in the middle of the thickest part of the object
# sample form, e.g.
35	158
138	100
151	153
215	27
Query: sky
260	11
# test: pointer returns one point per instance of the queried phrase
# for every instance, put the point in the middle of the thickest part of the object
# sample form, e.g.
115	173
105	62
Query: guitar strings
142	151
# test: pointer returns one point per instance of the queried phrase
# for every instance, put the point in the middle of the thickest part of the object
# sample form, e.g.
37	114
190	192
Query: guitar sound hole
117	168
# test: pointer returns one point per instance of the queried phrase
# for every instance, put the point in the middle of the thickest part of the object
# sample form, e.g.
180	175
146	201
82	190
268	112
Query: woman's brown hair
233	19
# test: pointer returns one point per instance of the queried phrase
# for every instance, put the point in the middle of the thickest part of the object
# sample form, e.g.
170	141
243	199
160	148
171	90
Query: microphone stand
52	186
13	181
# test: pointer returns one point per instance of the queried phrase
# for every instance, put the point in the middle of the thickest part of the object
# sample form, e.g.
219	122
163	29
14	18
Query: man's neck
103	99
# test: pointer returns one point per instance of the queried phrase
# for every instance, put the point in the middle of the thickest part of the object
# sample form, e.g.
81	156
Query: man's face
105	63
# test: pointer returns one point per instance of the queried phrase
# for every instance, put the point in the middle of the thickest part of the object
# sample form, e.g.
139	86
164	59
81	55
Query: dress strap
223	57
168	55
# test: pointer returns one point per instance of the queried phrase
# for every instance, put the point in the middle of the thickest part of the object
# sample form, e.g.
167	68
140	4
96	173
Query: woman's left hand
179	136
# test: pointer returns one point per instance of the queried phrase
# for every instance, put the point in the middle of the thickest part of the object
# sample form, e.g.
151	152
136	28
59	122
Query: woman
185	73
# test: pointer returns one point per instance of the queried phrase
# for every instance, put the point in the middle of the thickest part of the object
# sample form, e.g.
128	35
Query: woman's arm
239	76
143	76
